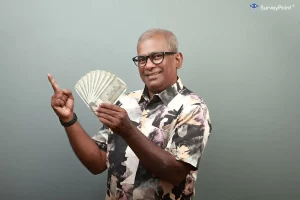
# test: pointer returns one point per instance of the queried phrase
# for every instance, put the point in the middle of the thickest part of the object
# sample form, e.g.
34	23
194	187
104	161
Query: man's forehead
153	44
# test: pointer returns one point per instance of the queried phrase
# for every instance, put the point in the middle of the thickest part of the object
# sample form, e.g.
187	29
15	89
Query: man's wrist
130	134
66	119
69	120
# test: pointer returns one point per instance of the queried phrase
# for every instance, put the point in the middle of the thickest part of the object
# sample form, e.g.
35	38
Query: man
152	140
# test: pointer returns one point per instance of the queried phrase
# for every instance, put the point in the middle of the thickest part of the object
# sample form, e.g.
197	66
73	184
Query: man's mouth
153	74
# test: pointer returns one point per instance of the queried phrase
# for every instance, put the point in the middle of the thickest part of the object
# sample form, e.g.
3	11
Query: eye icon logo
254	6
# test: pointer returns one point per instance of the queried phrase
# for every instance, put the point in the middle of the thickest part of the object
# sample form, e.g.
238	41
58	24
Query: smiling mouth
154	74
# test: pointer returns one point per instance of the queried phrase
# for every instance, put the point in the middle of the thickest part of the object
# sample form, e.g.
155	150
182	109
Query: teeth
154	74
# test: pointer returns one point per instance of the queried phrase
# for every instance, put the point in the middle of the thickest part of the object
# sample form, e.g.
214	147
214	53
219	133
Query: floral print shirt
178	121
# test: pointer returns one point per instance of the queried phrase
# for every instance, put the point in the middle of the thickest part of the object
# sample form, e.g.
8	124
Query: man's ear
179	60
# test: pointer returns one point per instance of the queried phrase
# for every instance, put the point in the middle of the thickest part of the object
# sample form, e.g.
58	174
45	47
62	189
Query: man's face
158	77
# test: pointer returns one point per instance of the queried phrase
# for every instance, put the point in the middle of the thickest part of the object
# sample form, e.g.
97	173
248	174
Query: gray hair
170	37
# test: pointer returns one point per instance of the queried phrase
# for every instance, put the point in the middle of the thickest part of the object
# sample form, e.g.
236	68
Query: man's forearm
160	162
85	149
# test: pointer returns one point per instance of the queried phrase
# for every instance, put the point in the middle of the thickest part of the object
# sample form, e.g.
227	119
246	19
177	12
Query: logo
254	6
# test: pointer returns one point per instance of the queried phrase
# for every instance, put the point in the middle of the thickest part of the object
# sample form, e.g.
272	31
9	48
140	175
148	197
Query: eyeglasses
155	57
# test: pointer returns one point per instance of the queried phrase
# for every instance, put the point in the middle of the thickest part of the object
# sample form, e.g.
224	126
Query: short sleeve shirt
177	120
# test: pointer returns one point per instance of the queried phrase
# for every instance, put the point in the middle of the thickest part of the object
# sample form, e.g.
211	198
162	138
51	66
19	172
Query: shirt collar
166	95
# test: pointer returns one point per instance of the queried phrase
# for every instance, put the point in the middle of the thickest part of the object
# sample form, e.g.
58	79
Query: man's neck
150	95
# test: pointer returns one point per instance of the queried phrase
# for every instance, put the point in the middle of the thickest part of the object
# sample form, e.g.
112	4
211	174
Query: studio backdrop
241	57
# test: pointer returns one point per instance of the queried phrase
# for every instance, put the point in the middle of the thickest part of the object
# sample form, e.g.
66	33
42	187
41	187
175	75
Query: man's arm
86	149
160	162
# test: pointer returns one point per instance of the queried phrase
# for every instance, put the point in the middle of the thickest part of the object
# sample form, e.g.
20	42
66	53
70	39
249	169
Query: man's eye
157	56
141	59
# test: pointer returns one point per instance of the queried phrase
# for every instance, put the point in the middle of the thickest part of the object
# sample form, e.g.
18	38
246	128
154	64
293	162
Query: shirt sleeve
101	138
189	137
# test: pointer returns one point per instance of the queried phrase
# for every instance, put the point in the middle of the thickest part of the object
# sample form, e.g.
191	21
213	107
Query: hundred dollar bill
113	91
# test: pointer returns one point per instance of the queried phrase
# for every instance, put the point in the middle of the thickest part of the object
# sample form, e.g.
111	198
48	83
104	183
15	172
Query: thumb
68	93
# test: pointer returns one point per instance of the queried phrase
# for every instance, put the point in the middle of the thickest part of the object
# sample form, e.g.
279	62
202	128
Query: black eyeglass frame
149	56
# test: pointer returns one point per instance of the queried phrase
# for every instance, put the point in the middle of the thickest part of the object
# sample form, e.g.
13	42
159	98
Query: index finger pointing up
53	83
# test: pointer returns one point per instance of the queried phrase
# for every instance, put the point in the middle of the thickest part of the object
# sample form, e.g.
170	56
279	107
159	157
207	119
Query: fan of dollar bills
99	86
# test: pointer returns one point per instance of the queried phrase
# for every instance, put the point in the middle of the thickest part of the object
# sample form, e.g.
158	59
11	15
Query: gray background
245	65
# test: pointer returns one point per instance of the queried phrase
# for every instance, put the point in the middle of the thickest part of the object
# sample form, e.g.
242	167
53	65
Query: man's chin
154	87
